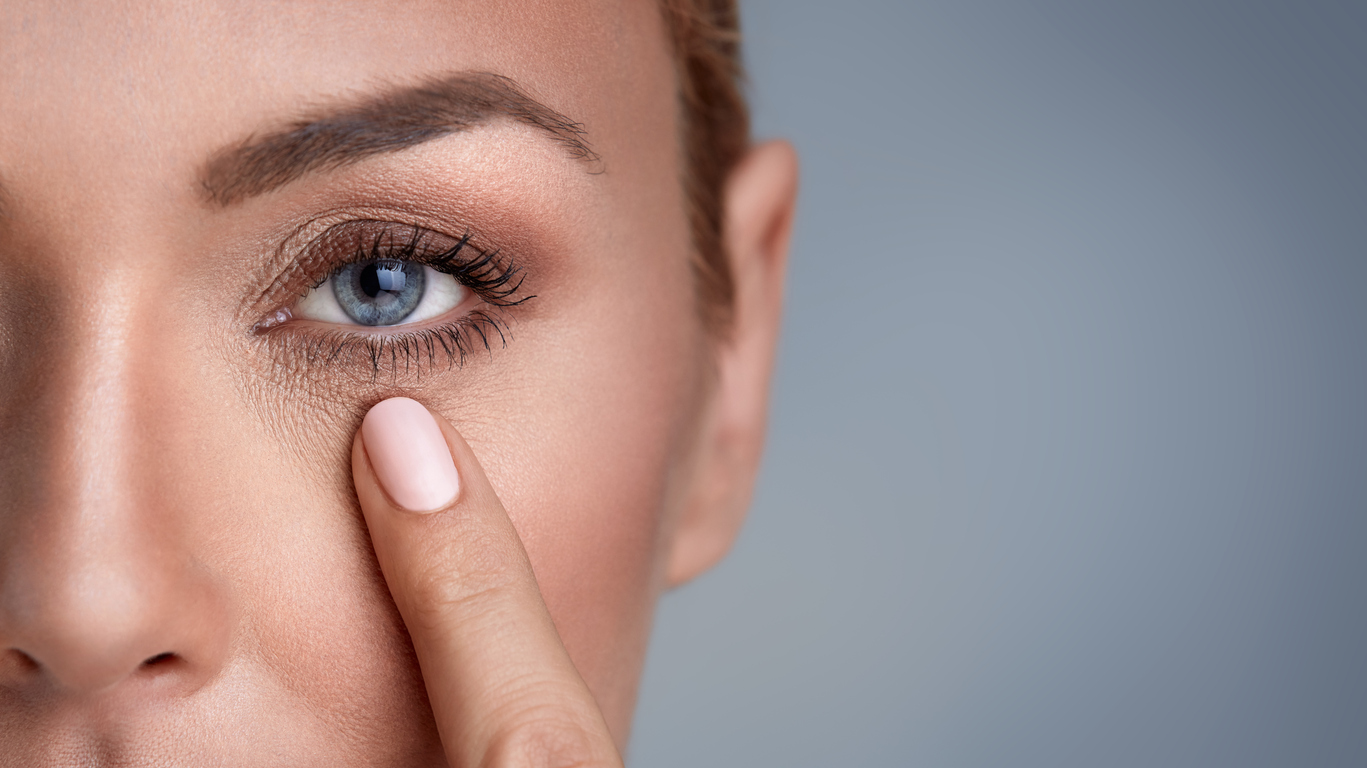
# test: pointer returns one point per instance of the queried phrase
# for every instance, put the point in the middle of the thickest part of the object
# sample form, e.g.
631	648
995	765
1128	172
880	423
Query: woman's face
184	575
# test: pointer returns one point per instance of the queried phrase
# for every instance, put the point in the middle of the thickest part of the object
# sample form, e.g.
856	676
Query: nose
87	607
82	619
100	585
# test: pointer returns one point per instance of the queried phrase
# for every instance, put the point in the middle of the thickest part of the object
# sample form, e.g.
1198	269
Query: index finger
502	687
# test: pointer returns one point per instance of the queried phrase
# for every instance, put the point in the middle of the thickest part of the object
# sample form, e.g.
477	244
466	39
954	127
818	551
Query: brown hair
715	132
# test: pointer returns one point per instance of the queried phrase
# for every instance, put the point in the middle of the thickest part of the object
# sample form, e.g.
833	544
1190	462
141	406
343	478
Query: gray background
1069	451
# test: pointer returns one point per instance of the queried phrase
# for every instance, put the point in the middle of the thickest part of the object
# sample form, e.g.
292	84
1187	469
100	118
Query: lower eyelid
399	353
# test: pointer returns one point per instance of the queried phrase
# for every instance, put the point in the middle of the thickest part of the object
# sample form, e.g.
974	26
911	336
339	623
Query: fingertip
501	685
409	455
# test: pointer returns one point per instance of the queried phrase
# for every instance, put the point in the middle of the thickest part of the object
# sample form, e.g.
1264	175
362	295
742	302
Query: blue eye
381	292
378	292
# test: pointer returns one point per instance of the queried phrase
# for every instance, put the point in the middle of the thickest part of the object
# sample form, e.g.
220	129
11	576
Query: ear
760	198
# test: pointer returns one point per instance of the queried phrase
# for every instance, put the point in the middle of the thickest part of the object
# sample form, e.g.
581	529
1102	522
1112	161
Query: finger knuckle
463	579
548	740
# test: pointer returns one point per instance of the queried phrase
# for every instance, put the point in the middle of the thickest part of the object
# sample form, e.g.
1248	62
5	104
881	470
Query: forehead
144	91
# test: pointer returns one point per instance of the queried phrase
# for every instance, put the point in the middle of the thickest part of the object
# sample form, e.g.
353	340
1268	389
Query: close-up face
229	229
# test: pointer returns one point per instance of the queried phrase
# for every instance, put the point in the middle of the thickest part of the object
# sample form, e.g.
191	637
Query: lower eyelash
407	353
456	341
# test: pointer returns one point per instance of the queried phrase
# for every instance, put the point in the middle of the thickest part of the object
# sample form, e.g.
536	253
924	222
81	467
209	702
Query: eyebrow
382	123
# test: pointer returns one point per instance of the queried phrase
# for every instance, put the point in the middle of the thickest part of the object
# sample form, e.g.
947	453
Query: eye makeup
394	298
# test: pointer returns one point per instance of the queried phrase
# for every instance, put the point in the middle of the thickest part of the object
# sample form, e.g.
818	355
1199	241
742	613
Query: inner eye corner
274	320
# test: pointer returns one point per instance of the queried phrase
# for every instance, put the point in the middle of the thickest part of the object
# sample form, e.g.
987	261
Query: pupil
381	277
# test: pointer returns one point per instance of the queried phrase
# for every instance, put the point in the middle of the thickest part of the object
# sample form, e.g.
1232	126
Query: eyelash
491	280
495	280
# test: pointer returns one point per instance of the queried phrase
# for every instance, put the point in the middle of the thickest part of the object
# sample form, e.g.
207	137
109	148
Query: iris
379	292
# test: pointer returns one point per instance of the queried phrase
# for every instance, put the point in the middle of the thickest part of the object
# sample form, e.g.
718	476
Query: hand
502	687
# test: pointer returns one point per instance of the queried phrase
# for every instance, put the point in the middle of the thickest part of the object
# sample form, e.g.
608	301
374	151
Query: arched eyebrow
381	123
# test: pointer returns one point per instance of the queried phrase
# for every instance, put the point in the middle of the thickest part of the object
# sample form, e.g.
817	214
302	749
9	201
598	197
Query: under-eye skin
396	298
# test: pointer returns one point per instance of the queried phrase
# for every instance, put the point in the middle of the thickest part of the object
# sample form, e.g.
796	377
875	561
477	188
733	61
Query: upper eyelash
496	283
492	279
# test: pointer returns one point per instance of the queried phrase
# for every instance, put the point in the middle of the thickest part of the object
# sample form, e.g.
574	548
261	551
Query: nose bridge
93	420
96	575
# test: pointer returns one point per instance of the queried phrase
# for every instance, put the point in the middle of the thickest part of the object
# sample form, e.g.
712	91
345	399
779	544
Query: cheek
580	423
316	630
583	440
588	488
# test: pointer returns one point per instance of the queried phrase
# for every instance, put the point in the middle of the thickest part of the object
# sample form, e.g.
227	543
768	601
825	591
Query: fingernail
409	455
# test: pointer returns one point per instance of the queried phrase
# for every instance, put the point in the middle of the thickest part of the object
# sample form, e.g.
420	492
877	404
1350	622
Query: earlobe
761	197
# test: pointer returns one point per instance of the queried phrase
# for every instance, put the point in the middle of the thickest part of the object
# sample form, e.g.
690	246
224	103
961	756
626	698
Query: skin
189	572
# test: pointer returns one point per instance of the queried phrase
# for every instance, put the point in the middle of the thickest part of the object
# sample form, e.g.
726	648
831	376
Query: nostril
18	668
160	660
19	661
24	661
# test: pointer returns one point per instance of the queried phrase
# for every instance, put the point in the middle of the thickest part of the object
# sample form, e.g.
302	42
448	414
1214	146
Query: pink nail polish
409	455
